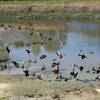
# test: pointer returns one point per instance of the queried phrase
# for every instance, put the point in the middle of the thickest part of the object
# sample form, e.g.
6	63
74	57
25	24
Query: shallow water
76	37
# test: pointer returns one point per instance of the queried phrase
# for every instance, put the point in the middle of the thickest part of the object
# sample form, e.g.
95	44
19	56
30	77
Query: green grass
46	88
3	54
51	16
44	1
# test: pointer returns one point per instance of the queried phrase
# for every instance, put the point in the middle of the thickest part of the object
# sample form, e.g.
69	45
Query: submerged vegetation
3	54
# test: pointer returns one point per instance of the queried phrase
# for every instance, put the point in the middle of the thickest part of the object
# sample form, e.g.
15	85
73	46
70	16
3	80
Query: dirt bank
22	88
51	12
68	7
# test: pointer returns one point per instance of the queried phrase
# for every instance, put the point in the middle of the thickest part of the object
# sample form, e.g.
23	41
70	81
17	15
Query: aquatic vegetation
19	43
3	54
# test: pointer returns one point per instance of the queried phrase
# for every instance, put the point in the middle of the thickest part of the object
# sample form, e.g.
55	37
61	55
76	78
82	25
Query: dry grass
49	10
20	88
68	7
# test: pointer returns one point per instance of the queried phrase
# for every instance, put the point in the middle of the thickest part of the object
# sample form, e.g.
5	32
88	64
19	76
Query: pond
51	39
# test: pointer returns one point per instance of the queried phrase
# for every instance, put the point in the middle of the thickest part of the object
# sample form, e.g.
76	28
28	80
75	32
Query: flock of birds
55	64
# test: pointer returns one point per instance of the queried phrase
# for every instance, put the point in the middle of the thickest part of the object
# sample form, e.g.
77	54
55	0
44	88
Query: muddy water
65	38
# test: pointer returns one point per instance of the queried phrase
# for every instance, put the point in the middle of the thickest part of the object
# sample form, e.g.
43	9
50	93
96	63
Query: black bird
43	56
2	25
60	55
81	68
39	77
73	74
59	76
19	27
55	64
98	67
28	51
34	74
35	61
54	59
43	68
93	68
82	56
97	78
5	28
26	72
98	71
88	71
49	39
75	65
15	63
8	50
2	67
5	66
56	71
22	66
81	50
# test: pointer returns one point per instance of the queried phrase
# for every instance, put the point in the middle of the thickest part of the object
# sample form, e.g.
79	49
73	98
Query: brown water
76	37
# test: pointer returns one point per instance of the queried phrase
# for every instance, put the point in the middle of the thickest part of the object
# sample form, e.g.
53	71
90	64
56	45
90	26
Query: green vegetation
52	16
51	10
3	54
42	1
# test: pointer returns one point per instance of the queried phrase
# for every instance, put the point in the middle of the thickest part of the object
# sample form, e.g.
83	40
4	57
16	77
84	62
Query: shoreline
14	87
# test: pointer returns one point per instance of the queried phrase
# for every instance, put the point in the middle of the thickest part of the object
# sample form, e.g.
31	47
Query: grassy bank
52	16
2	2
21	88
51	10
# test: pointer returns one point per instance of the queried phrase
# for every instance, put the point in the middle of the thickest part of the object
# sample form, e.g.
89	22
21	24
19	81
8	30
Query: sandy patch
98	90
3	89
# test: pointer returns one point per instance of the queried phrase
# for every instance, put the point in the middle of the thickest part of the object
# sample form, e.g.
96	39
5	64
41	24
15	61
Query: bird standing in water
56	71
8	50
60	55
28	51
43	56
26	72
73	74
82	56
16	64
